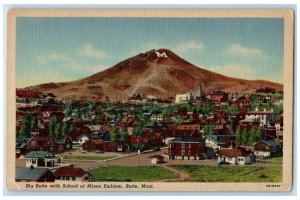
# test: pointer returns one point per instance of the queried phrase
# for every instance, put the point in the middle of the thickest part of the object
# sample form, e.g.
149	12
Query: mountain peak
158	72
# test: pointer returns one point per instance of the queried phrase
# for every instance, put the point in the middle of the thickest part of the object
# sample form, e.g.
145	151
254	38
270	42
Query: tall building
199	90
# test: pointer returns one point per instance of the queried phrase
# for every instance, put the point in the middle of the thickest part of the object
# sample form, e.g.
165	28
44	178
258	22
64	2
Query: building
41	143
183	98
32	174
214	142
218	97
21	148
263	116
188	126
92	145
71	173
236	156
159	118
267	148
64	143
156	159
187	148
39	159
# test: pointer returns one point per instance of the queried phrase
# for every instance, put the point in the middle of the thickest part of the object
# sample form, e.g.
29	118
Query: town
147	138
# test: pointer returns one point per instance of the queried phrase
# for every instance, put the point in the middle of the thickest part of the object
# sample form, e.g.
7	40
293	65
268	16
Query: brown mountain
157	72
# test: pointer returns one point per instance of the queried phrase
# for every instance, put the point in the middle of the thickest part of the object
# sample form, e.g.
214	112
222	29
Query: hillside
157	72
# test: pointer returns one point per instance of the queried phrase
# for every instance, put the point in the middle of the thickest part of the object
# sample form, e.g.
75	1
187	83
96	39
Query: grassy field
70	157
131	174
267	170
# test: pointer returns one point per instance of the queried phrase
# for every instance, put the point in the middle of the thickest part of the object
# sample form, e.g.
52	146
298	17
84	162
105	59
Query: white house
214	142
82	139
183	98
94	127
262	115
235	157
39	159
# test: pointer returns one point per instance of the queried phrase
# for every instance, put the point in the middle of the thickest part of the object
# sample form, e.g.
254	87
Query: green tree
178	120
28	123
114	135
124	135
138	131
238	133
207	129
244	136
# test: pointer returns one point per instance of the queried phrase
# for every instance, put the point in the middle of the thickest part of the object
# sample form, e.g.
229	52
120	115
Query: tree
96	120
178	120
52	127
124	135
57	129
238	135
138	131
244	136
28	123
255	135
207	130
114	135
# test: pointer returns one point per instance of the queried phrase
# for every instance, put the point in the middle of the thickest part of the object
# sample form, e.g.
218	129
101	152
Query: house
183	98
81	132
248	123
21	148
156	159
41	143
39	159
159	118
190	148
263	116
218	97
64	143
214	142
32	174
236	156
188	126
71	173
267	148
92	145
152	139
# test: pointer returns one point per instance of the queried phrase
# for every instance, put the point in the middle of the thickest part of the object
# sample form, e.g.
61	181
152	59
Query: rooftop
33	174
39	154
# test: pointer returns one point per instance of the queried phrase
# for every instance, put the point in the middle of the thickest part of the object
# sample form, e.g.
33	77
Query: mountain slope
157	72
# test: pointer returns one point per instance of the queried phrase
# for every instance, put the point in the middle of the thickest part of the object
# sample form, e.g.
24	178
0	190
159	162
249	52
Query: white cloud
189	46
44	59
89	51
238	49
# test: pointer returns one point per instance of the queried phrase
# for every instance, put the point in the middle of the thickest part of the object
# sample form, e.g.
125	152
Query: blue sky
65	49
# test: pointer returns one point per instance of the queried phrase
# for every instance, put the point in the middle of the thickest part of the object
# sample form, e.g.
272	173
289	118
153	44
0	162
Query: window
189	152
229	159
73	178
182	152
182	145
240	159
190	145
67	178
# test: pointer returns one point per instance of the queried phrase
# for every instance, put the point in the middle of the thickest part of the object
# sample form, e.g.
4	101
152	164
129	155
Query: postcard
149	99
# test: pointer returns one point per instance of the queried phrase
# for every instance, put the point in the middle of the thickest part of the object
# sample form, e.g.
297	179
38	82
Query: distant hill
157	72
